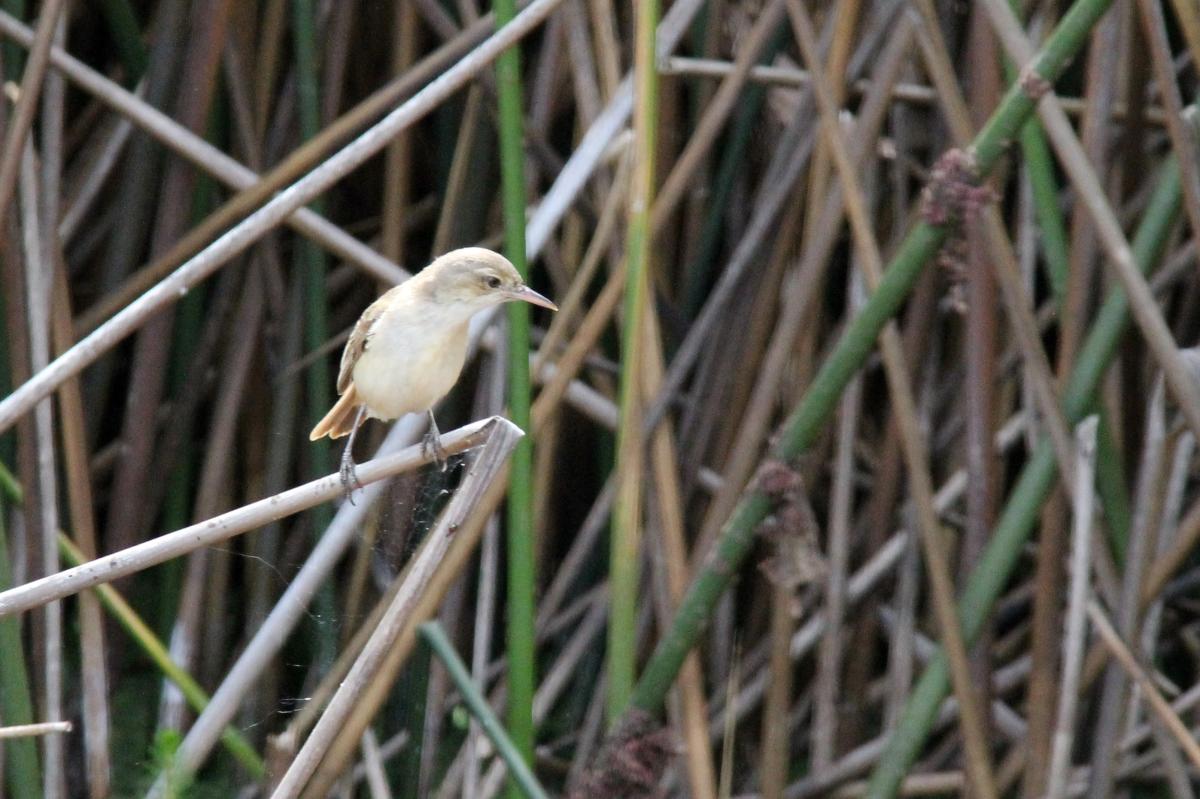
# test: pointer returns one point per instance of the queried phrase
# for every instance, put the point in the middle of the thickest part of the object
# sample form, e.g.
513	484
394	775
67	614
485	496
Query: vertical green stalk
1112	487
519	626
1039	165
167	579
310	262
14	54
1055	246
22	773
187	331
1036	153
733	154
626	529
127	37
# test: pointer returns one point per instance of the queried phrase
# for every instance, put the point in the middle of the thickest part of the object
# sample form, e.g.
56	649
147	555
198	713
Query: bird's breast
411	361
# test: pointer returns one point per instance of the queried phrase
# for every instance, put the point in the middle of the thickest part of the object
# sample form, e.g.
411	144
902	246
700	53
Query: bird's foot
432	443
349	475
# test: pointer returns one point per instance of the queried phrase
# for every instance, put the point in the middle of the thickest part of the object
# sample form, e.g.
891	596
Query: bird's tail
340	419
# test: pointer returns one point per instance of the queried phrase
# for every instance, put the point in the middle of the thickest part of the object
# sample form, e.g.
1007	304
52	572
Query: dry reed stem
195	149
906	91
270	215
1113	700
824	717
42	728
377	782
490	396
308	715
290	609
39	274
1016	297
558	387
299	161
451	231
202	597
979	351
221	528
795	302
1188	17
448	572
499	438
933	545
1149	691
722	231
1074	636
96	717
1154	28
552	687
19	125
583	621
397	169
885	558
1018	304
1120	256
704	135
88	189
667	492
564	322
829	657
594	144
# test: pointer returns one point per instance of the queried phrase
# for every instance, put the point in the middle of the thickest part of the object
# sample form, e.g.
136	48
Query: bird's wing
360	337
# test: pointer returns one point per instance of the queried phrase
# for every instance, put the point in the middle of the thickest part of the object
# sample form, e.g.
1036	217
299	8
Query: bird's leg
433	442
348	473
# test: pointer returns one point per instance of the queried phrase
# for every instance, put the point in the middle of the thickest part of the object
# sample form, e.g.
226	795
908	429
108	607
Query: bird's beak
526	294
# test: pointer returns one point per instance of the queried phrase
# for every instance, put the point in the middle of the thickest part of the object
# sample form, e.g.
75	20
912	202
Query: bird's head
474	278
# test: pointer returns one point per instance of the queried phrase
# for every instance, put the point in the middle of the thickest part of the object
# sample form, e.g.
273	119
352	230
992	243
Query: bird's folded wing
359	338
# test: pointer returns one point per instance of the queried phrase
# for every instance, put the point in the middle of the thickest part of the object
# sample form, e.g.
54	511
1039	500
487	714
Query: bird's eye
493	282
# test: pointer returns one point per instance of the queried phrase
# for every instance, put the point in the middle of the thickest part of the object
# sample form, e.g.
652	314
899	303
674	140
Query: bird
409	346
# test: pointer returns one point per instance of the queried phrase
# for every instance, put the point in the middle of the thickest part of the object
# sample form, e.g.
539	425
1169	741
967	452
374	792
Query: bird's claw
432	443
349	475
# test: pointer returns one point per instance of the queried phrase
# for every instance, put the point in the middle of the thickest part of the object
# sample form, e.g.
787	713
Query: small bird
408	348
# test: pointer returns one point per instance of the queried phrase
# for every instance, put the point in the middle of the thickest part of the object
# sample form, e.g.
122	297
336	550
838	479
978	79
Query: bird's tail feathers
340	419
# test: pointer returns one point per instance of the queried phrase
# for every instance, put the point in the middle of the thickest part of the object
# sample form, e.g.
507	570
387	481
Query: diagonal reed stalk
485	469
756	281
1016	521
154	649
273	213
900	386
801	429
526	784
228	525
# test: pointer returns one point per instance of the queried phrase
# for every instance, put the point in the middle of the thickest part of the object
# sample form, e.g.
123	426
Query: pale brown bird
409	346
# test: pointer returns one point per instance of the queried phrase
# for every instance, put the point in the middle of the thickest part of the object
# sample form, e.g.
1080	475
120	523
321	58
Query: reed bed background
858	461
